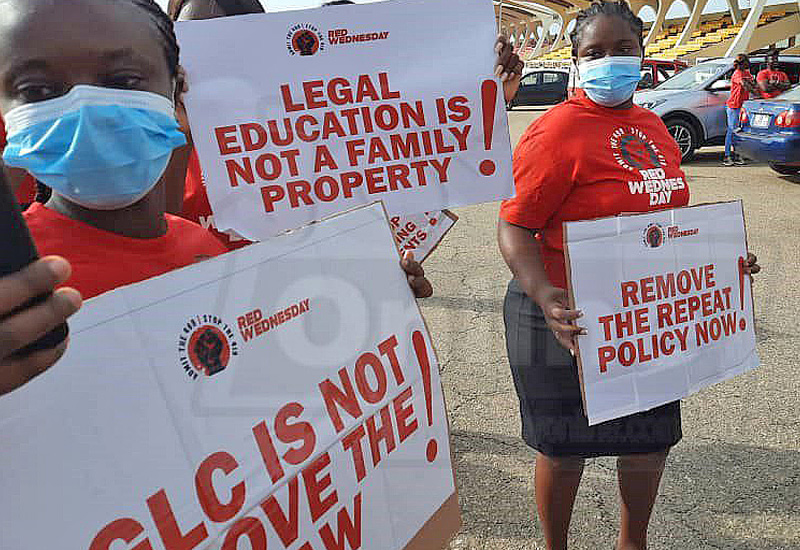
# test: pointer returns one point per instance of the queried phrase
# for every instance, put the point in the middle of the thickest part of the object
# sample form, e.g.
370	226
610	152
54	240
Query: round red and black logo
653	236
304	39
206	346
634	151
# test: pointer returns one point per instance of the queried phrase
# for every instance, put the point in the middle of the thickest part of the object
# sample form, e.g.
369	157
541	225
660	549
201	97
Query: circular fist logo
206	346
634	151
638	153
304	39
209	351
305	42
653	236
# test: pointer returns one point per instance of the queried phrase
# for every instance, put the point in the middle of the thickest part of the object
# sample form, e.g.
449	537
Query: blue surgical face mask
610	81
101	148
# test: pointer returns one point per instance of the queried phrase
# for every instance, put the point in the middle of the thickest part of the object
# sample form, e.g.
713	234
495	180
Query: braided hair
165	28
619	9
228	7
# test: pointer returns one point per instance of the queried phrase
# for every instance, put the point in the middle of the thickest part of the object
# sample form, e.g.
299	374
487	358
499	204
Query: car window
550	78
693	76
792	70
665	73
530	80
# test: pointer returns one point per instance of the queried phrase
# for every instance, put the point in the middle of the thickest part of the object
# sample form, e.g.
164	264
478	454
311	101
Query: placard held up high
299	115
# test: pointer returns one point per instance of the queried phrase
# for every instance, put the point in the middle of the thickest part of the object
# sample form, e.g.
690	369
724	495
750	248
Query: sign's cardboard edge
424	539
454	218
571	299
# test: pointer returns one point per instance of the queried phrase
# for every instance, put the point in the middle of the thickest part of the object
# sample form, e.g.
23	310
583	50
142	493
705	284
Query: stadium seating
713	29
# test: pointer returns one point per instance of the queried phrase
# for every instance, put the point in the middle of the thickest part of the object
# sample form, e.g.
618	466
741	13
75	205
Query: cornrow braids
619	9
228	7
165	28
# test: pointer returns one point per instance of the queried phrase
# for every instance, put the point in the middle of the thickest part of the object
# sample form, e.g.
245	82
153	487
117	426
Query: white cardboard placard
667	309
286	393
298	115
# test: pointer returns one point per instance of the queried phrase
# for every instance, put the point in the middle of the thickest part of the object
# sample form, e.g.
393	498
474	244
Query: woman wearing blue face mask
593	156
88	107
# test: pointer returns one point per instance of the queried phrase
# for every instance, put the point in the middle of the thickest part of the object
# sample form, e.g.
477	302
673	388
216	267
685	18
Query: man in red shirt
772	81
742	85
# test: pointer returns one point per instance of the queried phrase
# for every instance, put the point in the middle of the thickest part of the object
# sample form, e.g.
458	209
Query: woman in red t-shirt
88	107
187	190
589	157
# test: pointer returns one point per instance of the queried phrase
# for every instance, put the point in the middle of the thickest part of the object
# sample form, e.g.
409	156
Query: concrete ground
732	483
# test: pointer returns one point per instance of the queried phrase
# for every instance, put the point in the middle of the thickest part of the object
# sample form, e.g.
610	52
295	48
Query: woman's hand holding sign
560	318
751	266
509	67
419	284
20	327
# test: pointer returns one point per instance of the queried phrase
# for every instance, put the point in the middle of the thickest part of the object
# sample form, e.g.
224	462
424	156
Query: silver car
692	103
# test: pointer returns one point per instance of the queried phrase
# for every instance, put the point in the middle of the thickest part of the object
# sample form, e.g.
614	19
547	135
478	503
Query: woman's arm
521	252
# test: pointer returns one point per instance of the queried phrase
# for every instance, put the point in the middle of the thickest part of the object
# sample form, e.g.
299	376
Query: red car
656	71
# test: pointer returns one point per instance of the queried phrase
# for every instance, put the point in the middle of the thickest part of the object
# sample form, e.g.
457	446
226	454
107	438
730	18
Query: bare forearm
522	254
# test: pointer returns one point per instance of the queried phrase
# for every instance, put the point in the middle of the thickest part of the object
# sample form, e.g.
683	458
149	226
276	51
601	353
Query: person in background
772	81
20	325
742	85
563	175
187	193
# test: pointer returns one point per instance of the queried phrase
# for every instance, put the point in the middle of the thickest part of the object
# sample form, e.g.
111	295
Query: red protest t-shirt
738	94
771	77
102	261
26	192
197	208
581	161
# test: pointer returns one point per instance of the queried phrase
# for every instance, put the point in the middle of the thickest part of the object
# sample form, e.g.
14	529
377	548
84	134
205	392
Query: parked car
770	131
692	103
541	87
656	71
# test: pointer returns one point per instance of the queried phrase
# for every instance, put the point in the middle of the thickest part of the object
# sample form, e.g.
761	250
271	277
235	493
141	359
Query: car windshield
693	76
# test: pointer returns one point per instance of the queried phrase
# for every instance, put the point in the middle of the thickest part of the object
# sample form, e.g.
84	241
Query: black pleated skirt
546	379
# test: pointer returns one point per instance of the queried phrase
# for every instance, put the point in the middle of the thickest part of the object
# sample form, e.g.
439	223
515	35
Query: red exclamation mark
425	366
488	101
742	275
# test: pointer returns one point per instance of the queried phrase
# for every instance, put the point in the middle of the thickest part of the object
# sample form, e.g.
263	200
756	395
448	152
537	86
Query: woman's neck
143	220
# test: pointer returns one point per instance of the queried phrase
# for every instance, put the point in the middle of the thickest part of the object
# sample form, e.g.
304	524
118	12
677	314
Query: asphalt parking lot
732	483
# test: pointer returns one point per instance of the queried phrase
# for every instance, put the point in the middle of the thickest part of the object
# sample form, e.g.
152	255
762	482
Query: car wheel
685	134
785	170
